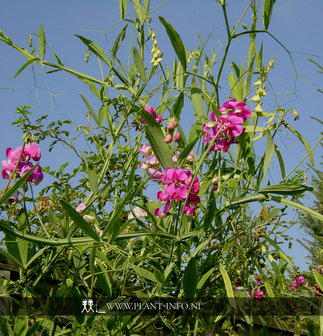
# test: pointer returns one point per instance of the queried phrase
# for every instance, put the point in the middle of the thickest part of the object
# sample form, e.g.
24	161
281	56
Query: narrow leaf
303	141
190	278
176	42
90	108
267	11
144	273
319	279
30	61
155	137
79	220
102	115
123	8
285	189
270	148
42	42
204	279
197	100
93	180
177	108
228	286
139	63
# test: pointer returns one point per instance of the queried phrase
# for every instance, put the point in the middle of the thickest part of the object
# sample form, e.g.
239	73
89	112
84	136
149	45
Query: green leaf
93	179
103	279
79	220
267	11
298	206
139	11
177	108
123	8
42	42
269	290
318	278
197	100
20	325
203	280
303	141
281	162
235	87
144	273
210	211
139	63
176	42
90	108
187	150
11	257
279	250
155	137
102	115
228	286
117	42
31	60
98	51
285	189
4	198
270	148
190	278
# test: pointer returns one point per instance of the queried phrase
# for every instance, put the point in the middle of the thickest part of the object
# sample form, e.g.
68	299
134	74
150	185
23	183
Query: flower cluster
228	126
22	166
178	185
172	135
297	282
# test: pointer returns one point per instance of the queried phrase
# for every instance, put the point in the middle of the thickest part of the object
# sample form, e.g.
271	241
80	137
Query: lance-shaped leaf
270	149
197	99
139	63
42	42
155	137
176	42
303	141
90	108
285	189
79	221
228	286
267	11
190	278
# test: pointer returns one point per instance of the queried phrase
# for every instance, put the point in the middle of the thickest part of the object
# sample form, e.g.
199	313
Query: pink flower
300	279
145	150
162	214
32	150
168	138
297	282
80	207
153	113
215	184
177	136
13	198
258	294
234	108
139	213
177	183
36	176
227	127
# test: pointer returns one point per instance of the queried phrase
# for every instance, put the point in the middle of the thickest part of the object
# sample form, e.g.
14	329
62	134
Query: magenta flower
227	127
297	282
177	184
31	151
154	114
234	108
36	176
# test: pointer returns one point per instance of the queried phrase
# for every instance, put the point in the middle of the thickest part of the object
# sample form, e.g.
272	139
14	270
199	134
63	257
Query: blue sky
295	23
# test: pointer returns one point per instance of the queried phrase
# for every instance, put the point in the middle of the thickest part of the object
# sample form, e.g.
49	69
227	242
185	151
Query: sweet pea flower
36	176
139	213
32	150
154	114
80	207
145	150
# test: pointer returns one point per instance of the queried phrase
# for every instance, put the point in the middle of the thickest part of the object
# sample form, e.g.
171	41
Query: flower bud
168	138
177	136
172	124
